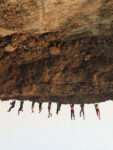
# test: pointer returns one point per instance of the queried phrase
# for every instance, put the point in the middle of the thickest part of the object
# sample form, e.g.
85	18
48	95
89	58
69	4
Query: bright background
35	131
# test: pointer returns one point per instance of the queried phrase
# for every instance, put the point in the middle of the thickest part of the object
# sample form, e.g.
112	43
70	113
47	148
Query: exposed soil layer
67	59
46	68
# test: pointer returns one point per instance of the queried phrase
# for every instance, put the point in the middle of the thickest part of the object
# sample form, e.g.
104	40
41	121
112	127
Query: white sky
35	131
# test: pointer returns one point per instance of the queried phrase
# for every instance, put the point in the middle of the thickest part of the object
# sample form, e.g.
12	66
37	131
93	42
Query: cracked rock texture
56	50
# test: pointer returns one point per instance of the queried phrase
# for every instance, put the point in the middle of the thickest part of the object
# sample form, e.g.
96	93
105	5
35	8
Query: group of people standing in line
57	110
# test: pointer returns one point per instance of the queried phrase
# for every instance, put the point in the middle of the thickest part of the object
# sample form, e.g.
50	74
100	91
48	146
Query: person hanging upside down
82	111
32	107
40	107
12	105
58	108
49	110
72	112
97	110
21	107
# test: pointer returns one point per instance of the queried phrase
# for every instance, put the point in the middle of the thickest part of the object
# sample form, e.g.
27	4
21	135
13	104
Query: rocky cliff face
56	50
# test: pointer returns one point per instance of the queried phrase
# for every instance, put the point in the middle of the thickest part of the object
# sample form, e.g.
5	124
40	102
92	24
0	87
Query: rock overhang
56	50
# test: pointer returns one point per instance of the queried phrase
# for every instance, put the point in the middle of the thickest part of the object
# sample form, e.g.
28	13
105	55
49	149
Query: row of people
57	110
82	111
32	107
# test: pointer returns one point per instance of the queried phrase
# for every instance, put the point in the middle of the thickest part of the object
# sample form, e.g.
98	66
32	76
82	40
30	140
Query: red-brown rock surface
56	50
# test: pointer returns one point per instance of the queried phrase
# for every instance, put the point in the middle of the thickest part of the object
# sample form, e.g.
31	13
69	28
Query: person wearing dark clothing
12	105
32	107
58	108
21	107
40	107
49	110
72	112
82	111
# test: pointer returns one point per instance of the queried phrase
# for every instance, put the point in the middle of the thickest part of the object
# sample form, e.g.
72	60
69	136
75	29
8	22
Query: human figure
21	107
58	108
40	107
82	111
32	107
72	112
49	110
12	105
97	110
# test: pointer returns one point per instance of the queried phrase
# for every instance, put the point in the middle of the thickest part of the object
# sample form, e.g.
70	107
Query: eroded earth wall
56	50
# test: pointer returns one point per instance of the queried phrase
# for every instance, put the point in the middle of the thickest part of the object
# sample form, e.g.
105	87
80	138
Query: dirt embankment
56	50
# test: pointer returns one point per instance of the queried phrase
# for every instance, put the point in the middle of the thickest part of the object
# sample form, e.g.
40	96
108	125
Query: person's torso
97	106
82	107
22	103
33	103
13	103
72	107
40	105
49	105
